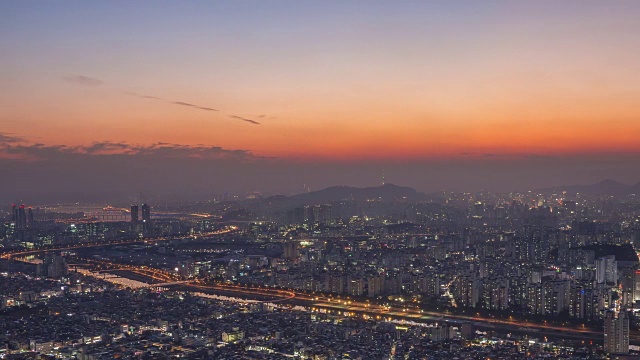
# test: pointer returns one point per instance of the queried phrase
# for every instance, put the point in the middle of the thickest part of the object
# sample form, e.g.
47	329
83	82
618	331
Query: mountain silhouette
605	187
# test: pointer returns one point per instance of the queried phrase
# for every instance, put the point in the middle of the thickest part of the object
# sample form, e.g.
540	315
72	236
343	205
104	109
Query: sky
120	97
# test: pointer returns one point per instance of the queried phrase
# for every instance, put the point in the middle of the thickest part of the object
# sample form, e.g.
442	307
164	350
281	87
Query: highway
379	312
153	274
264	294
22	253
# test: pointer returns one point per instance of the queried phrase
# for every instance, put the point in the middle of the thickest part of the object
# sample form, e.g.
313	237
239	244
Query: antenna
382	176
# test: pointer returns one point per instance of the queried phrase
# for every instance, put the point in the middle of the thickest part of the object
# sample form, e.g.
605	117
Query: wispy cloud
194	106
89	81
7	138
181	103
160	150
83	80
244	119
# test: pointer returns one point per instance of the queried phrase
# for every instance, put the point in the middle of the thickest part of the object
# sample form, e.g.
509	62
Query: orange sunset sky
324	81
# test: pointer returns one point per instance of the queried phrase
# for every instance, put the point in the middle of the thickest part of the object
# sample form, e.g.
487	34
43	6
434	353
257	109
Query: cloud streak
160	150
194	106
92	82
83	80
181	103
244	119
7	138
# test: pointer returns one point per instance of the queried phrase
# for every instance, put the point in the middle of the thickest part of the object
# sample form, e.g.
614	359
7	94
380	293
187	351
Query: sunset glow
325	82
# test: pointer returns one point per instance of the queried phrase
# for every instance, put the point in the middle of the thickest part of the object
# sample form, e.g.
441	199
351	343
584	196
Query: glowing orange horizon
373	127
388	82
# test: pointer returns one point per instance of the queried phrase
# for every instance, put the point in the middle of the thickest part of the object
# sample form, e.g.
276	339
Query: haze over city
319	180
281	96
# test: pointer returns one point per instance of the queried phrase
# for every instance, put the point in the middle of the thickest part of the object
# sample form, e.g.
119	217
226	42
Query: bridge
273	295
21	253
165	284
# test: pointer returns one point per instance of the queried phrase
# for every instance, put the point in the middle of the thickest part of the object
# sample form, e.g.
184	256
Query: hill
385	193
606	187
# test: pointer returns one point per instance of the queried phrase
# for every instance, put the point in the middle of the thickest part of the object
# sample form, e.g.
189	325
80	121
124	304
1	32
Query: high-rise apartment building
607	270
30	221
14	214
146	213
616	332
134	214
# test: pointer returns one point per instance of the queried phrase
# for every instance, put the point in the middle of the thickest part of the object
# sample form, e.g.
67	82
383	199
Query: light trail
20	253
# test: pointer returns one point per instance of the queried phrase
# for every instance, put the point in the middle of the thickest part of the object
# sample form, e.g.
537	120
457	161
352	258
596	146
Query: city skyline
234	97
298	179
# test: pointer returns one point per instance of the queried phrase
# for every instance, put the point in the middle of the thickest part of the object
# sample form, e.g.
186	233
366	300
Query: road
266	294
23	253
351	307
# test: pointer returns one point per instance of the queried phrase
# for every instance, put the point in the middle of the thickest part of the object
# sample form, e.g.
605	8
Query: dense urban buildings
320	180
460	266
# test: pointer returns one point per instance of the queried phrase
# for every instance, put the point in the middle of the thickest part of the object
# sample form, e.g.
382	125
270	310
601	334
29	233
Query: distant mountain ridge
386	192
605	187
392	192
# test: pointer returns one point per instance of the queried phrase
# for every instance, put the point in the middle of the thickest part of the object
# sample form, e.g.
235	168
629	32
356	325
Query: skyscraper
291	250
146	212
30	218
53	266
22	218
616	332
607	270
134	214
14	213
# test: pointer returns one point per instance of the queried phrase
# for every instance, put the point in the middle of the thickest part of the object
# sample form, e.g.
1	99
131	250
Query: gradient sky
332	84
